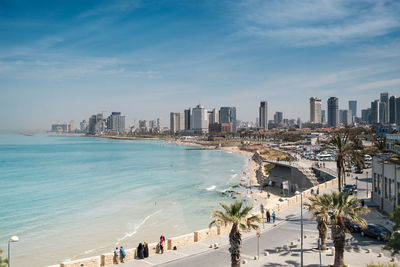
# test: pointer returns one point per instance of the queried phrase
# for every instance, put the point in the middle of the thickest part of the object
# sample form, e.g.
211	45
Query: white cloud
313	23
376	85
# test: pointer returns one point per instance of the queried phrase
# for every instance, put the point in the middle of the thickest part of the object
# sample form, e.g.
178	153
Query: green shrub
382	265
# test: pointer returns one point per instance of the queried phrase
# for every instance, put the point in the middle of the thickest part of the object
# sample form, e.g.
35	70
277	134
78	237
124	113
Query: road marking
152	264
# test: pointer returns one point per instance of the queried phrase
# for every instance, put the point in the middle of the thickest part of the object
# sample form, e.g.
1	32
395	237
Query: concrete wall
205	234
180	241
88	262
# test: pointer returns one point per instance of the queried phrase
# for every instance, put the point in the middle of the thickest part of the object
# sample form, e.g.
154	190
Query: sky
67	60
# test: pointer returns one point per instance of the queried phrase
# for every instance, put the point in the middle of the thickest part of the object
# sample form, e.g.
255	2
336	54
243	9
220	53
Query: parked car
352	226
350	189
376	231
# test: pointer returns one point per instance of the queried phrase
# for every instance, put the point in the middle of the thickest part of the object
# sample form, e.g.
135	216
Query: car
353	227
350	189
376	231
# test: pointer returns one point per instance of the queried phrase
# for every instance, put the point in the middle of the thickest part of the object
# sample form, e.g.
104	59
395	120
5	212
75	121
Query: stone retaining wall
181	241
205	234
88	262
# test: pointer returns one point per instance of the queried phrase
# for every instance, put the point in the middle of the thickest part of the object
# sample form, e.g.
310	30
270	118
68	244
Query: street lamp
367	183
14	238
301	216
357	183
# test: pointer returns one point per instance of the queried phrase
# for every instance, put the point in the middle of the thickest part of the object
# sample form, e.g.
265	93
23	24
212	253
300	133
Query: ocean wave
130	234
211	188
234	175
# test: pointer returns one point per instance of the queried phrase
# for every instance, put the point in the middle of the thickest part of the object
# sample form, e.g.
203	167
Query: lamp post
357	183
12	239
367	183
301	231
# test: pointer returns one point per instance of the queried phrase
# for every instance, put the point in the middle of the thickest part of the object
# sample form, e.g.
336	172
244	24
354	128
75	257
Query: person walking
273	216
116	254
317	190
268	216
123	254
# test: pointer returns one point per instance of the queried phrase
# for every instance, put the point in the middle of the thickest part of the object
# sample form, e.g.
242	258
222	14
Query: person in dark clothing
268	216
140	251
145	250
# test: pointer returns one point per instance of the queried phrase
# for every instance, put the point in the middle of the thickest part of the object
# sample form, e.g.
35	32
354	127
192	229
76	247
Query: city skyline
69	61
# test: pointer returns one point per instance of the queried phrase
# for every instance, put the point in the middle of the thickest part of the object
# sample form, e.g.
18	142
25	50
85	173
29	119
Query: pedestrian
312	191
268	216
116	253
145	250
123	254
268	195
317	190
140	251
273	216
162	243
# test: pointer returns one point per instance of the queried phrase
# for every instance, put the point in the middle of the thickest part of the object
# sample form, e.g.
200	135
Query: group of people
119	254
269	215
143	250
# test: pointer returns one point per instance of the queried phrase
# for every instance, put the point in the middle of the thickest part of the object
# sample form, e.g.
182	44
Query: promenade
274	237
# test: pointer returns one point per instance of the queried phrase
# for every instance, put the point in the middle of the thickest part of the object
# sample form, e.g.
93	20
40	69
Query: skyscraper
353	107
398	111
188	115
365	115
323	116
177	122
333	111
278	118
346	117
385	108
374	117
116	123
263	115
199	119
315	110
392	109
382	112
228	115
213	116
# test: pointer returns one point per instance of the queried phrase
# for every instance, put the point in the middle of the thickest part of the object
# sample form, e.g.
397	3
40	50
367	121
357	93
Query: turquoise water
73	197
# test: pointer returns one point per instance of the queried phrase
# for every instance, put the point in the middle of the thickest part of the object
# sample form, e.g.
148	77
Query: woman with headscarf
145	250
140	251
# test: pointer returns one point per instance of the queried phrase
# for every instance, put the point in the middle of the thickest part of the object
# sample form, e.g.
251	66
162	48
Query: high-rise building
341	111
346	117
213	116
353	107
263	117
398	111
323	116
158	123
177	122
374	117
96	124
315	110
116	123
228	115
333	111
382	112
392	109
365	115
143	126
199	119
385	108
278	118
188	115
84	126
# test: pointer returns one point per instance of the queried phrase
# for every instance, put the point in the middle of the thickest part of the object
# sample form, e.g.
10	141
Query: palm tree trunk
339	171
339	238
323	231
235	239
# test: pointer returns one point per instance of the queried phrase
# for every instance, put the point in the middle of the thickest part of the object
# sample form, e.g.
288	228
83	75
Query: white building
315	110
386	182
263	115
177	122
199	119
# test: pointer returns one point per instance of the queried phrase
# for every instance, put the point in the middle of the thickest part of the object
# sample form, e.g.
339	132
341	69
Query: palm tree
342	207
340	142
238	216
320	206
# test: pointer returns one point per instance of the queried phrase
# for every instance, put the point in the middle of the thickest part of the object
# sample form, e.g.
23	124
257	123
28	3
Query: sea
70	197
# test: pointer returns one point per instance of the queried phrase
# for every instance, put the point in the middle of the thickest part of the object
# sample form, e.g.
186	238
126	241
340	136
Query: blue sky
63	60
